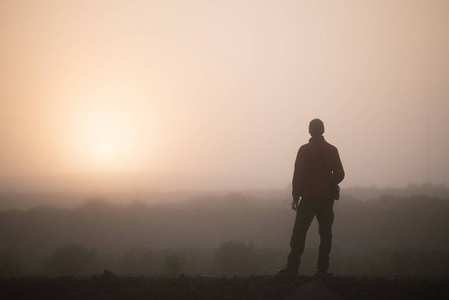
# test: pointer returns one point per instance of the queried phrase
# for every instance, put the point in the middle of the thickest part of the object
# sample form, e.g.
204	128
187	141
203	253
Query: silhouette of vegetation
390	235
173	265
9	264
136	261
235	257
72	259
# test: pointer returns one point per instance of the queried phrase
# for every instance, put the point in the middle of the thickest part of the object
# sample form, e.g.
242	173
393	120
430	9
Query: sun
106	133
104	151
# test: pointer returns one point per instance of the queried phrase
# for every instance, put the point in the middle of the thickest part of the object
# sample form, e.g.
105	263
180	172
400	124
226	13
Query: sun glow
104	151
105	132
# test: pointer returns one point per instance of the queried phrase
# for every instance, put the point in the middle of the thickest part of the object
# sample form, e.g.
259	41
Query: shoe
288	271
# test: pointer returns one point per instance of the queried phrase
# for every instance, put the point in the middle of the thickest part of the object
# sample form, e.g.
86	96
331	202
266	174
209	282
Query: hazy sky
224	87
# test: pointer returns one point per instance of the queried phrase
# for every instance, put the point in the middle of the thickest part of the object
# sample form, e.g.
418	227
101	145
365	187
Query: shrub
9	264
72	259
235	258
137	261
173	265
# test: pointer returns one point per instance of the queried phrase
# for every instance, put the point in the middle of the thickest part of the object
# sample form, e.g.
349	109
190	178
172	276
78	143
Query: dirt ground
111	287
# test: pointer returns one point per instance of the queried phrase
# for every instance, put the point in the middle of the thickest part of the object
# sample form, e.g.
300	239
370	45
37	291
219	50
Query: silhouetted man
317	168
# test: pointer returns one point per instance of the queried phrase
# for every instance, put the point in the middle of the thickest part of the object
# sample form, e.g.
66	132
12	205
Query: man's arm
298	176
338	173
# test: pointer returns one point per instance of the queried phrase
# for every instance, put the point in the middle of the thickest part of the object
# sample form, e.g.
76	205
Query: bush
173	265
9	264
137	261
72	259
235	258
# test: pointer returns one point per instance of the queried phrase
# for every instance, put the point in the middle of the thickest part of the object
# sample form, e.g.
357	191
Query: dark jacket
311	179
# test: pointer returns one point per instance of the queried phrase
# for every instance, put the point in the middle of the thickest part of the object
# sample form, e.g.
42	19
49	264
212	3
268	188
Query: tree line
389	235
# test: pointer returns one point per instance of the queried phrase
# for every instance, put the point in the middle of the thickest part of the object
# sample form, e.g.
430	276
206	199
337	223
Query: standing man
317	169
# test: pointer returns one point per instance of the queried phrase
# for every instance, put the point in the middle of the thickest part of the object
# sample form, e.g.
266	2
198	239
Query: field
392	245
109	286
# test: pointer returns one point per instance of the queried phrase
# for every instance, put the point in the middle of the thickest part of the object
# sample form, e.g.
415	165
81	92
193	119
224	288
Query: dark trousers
307	210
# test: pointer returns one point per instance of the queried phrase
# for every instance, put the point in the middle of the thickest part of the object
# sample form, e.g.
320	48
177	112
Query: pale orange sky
225	88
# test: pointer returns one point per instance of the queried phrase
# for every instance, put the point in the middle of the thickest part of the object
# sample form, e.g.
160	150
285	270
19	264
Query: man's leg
325	217
304	217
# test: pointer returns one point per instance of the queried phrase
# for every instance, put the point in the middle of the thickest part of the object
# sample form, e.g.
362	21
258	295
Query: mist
222	90
159	137
395	232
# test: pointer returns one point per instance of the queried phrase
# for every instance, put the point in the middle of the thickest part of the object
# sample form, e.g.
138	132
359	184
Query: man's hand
295	204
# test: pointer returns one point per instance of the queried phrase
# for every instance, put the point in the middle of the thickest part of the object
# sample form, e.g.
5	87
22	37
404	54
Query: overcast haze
223	90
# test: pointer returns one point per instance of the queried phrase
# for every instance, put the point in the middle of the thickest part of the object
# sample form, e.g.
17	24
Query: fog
395	232
218	94
134	133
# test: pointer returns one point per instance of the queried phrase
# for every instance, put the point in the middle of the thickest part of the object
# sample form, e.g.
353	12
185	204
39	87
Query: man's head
316	127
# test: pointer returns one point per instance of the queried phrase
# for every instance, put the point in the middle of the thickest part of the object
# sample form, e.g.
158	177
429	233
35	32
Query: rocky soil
111	287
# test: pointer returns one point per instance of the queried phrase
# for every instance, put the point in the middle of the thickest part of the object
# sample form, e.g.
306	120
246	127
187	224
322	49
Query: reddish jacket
311	179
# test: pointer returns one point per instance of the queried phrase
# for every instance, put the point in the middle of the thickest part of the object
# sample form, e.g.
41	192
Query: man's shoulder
322	143
325	145
329	145
305	147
